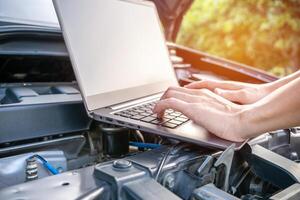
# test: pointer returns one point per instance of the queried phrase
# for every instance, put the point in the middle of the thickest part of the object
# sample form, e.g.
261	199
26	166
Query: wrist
246	120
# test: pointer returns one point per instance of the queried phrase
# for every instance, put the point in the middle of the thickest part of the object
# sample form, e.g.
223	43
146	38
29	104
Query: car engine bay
51	149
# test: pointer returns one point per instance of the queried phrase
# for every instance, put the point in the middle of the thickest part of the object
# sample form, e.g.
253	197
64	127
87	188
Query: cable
144	145
46	164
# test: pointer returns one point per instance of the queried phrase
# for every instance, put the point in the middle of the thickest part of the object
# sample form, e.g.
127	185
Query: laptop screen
117	49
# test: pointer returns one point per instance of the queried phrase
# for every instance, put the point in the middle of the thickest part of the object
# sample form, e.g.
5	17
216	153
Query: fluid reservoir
115	140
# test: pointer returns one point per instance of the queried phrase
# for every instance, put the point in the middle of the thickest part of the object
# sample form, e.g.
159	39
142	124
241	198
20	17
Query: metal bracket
226	160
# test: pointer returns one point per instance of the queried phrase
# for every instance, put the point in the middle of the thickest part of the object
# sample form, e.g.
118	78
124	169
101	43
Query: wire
144	145
46	164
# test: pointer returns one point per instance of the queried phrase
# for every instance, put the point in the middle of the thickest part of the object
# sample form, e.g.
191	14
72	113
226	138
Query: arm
285	80
243	93
280	109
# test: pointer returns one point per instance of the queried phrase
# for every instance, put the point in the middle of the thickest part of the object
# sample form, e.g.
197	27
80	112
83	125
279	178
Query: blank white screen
115	44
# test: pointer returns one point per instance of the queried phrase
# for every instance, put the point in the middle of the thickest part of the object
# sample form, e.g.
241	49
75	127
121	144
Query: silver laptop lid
117	49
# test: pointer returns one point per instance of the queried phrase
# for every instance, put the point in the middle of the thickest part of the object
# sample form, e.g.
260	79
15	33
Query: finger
181	96
213	97
171	103
191	96
231	95
211	85
195	96
181	90
201	84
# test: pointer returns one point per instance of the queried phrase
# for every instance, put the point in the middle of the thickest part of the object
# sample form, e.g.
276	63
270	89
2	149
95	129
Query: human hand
243	93
218	115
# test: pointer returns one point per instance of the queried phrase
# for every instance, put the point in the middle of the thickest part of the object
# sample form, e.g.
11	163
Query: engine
116	163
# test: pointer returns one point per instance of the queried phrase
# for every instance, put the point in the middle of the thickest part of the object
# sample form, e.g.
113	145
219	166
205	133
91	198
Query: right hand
238	92
206	109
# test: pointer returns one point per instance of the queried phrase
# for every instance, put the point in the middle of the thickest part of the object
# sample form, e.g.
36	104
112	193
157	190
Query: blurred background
261	33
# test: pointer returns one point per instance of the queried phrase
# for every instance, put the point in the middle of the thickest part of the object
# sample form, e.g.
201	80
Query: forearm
280	109
283	81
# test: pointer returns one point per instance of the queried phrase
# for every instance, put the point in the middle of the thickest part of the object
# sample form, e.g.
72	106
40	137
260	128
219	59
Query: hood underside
43	14
171	13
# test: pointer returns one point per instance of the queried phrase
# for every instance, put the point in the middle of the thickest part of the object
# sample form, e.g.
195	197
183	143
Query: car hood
42	13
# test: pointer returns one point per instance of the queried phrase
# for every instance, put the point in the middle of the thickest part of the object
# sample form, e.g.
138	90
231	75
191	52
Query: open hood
43	14
171	13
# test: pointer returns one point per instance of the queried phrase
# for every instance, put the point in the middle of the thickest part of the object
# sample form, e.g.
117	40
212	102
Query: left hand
218	115
242	93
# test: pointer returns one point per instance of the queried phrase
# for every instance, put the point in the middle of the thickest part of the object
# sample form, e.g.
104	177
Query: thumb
237	96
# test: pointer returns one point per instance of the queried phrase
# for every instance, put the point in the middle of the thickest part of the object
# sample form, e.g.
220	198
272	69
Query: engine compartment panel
36	110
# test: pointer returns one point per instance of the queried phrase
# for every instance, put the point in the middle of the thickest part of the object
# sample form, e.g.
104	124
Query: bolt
294	156
169	181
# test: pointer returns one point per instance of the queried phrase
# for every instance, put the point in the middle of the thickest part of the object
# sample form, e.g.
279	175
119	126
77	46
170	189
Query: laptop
121	63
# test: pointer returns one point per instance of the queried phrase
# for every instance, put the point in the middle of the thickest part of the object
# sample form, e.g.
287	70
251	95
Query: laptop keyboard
171	118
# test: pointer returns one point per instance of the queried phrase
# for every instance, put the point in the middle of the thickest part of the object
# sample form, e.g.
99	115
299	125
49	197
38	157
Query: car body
41	113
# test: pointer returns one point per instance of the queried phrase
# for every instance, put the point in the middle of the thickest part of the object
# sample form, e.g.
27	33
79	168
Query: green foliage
260	33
